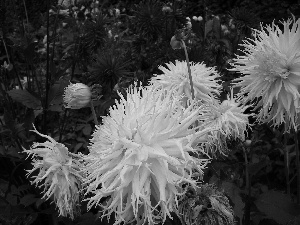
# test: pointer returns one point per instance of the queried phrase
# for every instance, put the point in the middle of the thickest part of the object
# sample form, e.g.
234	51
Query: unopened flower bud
77	96
247	143
176	44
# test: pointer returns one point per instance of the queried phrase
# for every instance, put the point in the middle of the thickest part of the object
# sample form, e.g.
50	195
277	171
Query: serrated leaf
39	202
77	147
254	168
278	206
25	98
233	193
57	90
208	27
217	27
9	120
91	219
28	200
31	218
87	130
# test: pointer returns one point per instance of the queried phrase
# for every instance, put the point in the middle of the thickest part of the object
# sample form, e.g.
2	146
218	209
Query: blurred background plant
45	45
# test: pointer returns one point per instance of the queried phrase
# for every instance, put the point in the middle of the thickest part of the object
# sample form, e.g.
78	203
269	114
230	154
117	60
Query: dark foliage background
96	44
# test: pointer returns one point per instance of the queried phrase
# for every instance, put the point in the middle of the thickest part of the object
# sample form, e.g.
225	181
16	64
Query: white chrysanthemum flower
271	69
141	156
175	78
228	119
77	96
58	174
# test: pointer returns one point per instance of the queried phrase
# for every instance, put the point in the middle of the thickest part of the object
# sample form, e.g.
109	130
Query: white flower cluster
157	140
154	143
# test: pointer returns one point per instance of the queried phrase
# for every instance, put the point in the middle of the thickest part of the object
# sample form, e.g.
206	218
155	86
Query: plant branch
47	72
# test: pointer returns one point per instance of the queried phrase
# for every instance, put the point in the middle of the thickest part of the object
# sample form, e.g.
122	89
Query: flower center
271	66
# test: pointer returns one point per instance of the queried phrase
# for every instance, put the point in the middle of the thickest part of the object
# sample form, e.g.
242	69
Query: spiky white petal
141	156
175	78
58	174
228	119
271	69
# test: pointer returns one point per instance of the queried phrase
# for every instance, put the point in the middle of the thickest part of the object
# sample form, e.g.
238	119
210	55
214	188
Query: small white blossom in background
166	9
7	66
188	24
117	12
175	78
142	155
66	3
109	34
271	69
58	174
228	119
63	12
77	96
199	18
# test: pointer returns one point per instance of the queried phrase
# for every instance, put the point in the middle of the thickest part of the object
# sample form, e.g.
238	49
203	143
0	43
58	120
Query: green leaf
28	200
87	130
233	193
31	218
278	206
90	219
56	95
254	168
56	92
25	98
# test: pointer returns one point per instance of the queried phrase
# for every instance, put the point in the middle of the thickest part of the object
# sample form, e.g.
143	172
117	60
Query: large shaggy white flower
228	119
141	156
58	174
175	78
271	69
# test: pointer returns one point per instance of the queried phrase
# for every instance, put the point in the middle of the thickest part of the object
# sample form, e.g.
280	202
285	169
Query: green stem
297	166
94	113
189	69
48	75
248	189
26	16
62	127
10	62
286	164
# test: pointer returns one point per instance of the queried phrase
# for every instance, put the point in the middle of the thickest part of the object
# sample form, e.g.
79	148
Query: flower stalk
48	75
297	166
94	113
189	68
248	189
286	164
